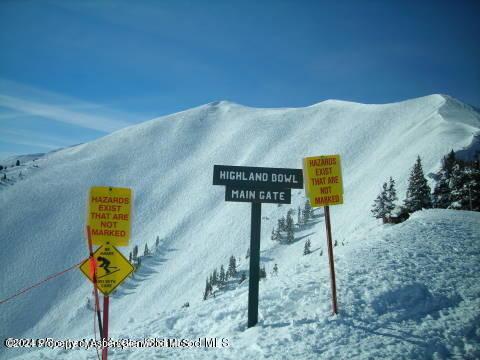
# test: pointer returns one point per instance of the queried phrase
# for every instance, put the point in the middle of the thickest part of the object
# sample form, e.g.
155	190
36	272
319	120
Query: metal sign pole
105	326
254	264
330	259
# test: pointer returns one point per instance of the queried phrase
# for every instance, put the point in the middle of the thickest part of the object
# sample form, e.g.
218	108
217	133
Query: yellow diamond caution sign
110	267
109	215
323	180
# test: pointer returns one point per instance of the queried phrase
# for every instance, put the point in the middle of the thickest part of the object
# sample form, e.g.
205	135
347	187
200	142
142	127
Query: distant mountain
169	163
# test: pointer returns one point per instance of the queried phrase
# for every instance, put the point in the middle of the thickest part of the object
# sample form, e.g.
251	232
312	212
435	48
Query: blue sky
72	71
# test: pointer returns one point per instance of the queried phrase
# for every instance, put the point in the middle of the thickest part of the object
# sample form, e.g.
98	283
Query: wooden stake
105	326
330	260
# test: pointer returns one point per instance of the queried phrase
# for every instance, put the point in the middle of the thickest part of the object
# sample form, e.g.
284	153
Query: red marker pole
106	301
330	259
93	266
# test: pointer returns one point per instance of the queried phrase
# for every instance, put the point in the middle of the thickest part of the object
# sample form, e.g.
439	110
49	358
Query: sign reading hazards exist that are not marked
109	215
323	180
110	266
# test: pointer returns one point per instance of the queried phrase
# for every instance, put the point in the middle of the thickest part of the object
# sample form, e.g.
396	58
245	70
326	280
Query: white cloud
33	139
28	100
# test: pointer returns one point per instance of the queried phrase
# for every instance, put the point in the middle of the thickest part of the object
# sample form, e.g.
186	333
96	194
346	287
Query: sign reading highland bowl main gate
257	177
256	185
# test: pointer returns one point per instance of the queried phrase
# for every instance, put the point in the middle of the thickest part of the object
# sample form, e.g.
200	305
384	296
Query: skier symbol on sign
105	264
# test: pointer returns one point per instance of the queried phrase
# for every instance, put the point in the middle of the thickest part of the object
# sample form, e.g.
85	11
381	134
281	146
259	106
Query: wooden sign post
324	187
106	303
331	263
109	214
256	185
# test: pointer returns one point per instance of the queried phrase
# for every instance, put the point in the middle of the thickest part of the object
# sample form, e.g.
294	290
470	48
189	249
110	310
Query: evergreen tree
441	197
207	290
290	212
130	257
157	242
232	266
418	191
380	205
221	276
139	262
442	192
278	236
135	252
227	275
448	163
307	211
458	184
289	228
391	195
299	216
146	251
274	235
306	248
214	277
282	224
248	254
386	201
263	273
459	181
473	186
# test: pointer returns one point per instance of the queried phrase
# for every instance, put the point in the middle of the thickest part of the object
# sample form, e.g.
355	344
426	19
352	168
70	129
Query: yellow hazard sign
109	215
109	267
323	180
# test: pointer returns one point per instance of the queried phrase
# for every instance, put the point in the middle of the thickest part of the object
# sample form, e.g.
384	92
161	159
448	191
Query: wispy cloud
33	139
36	102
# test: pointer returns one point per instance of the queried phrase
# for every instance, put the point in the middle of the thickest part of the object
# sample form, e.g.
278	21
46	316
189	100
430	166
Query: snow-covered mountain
169	163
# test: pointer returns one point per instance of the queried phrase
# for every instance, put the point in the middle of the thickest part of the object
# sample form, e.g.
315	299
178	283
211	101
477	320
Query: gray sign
276	196
257	177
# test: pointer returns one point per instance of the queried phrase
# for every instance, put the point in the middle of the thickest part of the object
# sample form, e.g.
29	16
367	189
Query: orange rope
40	282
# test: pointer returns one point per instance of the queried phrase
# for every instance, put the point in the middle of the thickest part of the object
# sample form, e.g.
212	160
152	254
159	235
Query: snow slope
409	291
168	162
15	173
